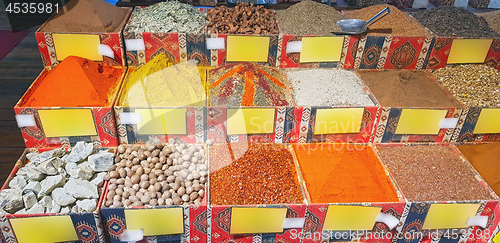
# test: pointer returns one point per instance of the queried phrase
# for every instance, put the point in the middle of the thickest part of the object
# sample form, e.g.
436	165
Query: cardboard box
93	124
343	124
50	42
86	227
188	124
399	124
418	215
159	223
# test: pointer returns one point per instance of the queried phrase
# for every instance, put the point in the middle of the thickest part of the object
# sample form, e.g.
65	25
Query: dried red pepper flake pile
248	84
251	173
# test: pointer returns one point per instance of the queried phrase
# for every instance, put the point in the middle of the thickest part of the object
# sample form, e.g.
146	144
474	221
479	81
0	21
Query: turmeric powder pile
242	19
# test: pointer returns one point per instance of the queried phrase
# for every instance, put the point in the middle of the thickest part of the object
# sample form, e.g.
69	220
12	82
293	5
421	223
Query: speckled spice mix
432	173
394	23
473	85
248	84
249	173
343	173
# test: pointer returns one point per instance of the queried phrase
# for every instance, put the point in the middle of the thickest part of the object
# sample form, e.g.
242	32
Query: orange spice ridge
343	173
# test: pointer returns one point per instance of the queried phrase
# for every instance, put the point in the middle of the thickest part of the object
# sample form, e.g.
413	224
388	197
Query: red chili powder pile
343	173
249	173
75	82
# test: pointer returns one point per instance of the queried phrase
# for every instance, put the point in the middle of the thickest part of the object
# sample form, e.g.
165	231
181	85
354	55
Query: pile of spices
247	84
167	17
77	82
161	83
244	18
395	88
86	16
157	174
249	173
58	181
486	160
309	18
327	87
343	173
452	21
473	85
493	19
432	173
394	23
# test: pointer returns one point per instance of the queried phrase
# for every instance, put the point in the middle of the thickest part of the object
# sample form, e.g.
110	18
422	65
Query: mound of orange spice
343	173
75	82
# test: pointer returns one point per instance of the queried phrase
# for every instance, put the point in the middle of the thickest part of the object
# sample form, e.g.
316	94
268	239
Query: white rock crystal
61	197
81	189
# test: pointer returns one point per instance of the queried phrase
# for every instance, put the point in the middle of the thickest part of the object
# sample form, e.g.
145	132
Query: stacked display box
416	213
48	45
101	118
87	226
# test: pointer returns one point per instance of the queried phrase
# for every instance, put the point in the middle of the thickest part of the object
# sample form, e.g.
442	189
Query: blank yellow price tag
162	121
67	122
321	49
344	217
158	221
247	48
420	121
469	50
250	121
47	229
488	121
257	220
81	45
449	216
338	120
496	239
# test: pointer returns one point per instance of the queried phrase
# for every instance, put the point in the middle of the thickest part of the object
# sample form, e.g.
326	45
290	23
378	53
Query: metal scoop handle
378	16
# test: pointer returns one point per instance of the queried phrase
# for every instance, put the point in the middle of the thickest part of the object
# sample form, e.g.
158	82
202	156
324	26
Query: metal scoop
358	26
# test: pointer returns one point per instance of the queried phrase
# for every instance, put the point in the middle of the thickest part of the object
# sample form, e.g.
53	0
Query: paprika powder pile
75	82
343	173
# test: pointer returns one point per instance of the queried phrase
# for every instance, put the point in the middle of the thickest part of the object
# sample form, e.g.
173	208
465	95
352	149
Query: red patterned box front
292	60
113	40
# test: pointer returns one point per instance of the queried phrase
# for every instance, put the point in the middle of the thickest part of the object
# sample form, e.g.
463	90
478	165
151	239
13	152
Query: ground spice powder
248	84
398	88
249	173
75	82
87	16
343	173
162	83
486	160
432	173
394	23
493	19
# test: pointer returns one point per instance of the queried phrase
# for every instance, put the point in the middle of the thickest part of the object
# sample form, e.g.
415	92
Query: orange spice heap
251	173
343	173
247	84
75	82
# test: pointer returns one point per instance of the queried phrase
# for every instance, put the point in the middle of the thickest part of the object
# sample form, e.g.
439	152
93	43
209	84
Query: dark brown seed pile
432	173
448	21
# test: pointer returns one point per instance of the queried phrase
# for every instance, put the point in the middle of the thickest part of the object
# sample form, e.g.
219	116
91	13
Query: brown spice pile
242	19
394	23
87	16
395	88
248	173
432	173
309	18
493	19
486	160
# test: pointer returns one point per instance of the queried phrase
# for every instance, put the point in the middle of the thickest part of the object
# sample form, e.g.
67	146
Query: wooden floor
17	71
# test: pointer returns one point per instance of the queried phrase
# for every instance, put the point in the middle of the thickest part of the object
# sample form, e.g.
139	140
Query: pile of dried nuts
157	174
242	19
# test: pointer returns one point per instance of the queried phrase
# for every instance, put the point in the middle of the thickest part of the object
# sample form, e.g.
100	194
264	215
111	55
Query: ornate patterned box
186	123
87	226
478	124
179	47
92	124
290	58
114	54
417	215
396	123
